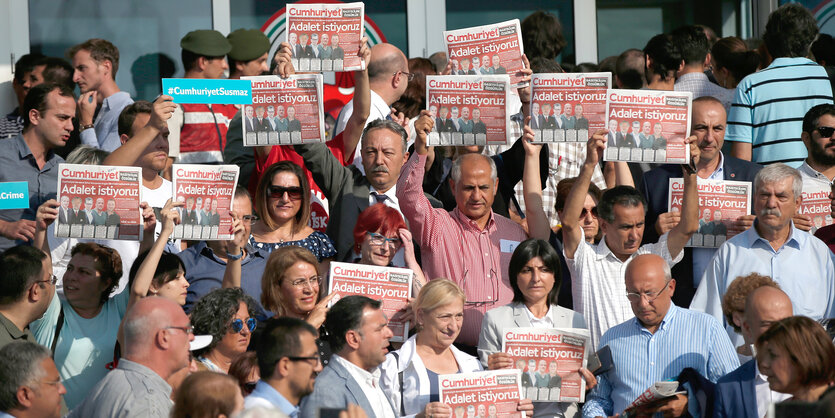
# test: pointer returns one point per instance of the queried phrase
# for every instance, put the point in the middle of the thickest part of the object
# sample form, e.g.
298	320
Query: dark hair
100	50
542	35
607	65
542	65
665	55
128	115
692	43
810	120
204	394
630	69
346	315
413	99
627	196
37	96
824	49
808	346
57	70
108	264
732	53
241	368
564	187
213	313
168	267
586	67
262	194
790	31
527	251
280	339
391	126
25	64
190	59
20	266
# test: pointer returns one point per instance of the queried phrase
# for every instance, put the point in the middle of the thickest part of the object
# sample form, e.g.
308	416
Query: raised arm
169	216
132	148
623	177
525	90
572	233
538	225
411	260
418	212
283	60
689	223
45	216
362	106
235	247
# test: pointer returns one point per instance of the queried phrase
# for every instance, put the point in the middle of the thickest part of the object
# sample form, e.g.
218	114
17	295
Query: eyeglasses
380	240
409	76
310	281
825	131
52	280
250	218
277	192
651	296
249	386
586	212
315	359
187	330
238	324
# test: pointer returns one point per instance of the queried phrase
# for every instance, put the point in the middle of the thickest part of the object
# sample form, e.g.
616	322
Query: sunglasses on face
586	212
277	192
238	324
825	131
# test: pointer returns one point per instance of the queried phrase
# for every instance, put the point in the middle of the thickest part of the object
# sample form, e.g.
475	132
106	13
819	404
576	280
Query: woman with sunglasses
379	234
228	315
282	201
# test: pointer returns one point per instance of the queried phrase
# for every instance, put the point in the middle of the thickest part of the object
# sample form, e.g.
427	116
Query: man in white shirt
359	335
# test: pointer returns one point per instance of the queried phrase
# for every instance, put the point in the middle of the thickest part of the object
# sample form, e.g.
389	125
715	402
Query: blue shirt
204	272
105	132
18	164
264	392
684	339
803	267
769	106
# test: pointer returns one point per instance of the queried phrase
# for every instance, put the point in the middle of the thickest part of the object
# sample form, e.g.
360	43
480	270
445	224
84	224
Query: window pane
147	34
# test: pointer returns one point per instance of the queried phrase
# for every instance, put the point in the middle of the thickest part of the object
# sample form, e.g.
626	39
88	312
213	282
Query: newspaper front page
207	191
568	107
284	111
549	360
468	110
325	36
99	202
486	50
656	392
494	393
720	203
816	204
651	126
391	285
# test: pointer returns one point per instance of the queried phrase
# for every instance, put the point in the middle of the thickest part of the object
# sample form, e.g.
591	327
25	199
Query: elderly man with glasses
657	345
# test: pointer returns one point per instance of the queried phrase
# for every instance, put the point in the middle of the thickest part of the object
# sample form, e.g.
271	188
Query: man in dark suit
77	215
443	122
261	124
251	125
738	392
708	125
478	126
623	138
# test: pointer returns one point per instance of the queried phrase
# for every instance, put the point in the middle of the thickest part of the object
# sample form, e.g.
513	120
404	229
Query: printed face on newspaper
648	126
720	204
391	285
284	111
568	107
486	50
494	393
816	204
468	110
326	37
549	361
207	191
99	202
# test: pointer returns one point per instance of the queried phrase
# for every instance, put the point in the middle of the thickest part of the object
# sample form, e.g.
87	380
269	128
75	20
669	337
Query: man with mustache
801	264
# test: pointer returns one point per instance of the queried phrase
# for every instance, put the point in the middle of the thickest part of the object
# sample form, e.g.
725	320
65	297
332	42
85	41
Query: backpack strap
400	381
58	327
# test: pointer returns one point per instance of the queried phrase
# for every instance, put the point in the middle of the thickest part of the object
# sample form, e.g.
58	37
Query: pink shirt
452	246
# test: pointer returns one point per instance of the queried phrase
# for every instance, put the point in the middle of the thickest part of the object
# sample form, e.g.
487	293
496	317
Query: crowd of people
528	235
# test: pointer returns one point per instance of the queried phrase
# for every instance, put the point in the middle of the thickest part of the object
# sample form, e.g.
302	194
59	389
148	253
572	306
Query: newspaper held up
487	50
326	36
568	107
656	392
284	111
469	110
549	360
651	126
493	393
816	204
721	202
207	191
100	202
391	285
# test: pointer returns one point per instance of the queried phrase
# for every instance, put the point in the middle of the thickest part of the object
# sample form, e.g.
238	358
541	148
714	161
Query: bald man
156	335
656	345
744	392
388	76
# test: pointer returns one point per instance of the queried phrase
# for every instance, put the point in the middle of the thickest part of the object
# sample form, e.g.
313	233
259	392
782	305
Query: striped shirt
684	339
454	247
769	106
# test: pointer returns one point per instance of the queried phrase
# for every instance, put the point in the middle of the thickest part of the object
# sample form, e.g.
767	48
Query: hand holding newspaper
326	36
658	391
207	192
468	109
284	111
494	393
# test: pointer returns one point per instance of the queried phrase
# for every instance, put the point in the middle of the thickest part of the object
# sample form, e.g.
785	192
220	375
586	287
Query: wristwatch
85	127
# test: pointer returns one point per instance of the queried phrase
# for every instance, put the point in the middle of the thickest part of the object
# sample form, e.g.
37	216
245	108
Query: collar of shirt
544	322
24	151
668	318
602	250
719	173
789	61
796	238
465	221
359	374
264	390
806	170
391	195
151	377
379	106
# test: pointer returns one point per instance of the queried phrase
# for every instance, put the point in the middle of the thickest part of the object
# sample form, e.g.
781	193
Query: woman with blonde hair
208	395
